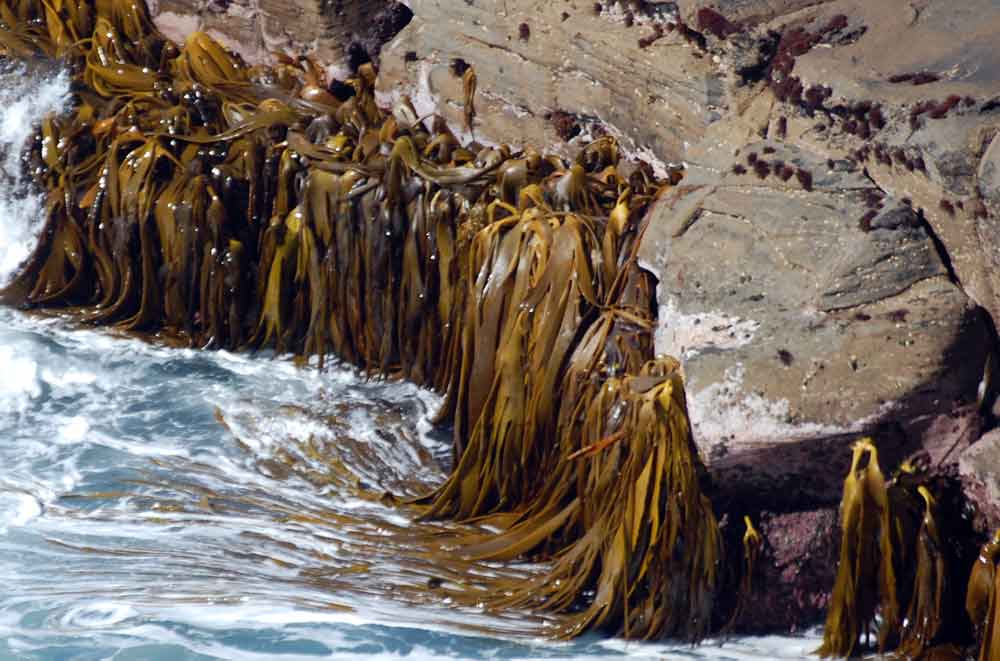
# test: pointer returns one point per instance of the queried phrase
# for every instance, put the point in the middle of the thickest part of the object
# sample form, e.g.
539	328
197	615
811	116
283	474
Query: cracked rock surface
834	286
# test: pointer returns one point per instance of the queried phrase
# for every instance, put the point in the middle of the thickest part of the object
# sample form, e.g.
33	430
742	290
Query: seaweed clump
898	585
227	206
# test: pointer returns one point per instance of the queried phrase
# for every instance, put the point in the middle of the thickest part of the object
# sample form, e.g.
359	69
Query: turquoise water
162	503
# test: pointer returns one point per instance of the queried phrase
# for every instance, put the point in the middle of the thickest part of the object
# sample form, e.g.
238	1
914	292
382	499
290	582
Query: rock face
571	61
980	471
830	264
335	32
825	264
806	317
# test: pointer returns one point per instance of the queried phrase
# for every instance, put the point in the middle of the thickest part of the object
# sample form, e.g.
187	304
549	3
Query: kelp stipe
856	592
898	541
752	542
925	616
894	565
981	599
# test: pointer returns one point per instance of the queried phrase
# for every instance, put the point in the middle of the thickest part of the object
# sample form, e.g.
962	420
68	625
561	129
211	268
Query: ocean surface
163	503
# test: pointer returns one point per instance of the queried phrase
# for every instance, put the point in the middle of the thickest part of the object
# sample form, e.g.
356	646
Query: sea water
164	503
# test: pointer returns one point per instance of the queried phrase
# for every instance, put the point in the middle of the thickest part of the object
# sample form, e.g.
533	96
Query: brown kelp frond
643	540
898	540
979	592
863	511
894	565
983	597
752	543
534	284
238	207
925	617
469	92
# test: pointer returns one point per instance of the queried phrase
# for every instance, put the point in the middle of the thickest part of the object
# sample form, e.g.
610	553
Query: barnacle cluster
240	207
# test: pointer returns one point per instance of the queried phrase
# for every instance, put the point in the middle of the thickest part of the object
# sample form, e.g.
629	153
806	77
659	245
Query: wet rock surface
980	471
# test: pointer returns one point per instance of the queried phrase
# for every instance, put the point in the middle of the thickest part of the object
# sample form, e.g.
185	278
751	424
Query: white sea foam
17	509
20	384
24	100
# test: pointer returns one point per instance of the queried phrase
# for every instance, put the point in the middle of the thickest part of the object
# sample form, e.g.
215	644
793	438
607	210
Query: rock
844	292
655	100
979	468
332	32
797	571
741	12
941	126
805	318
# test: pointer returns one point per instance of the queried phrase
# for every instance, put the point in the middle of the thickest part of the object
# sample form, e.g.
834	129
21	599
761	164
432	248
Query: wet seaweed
228	206
894	581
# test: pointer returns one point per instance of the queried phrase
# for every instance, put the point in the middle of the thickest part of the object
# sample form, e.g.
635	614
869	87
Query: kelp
752	543
893	564
625	516
247	208
861	581
225	206
981	599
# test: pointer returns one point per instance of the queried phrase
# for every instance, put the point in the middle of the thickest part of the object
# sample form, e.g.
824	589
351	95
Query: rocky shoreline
825	270
829	265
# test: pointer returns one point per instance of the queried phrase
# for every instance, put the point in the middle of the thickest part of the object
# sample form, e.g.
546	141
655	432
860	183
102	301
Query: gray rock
256	29
656	100
800	329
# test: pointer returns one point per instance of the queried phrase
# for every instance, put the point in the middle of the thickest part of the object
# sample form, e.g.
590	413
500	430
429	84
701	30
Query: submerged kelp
241	207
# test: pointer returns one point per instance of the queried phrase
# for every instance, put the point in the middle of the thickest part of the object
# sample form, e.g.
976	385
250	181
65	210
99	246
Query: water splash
24	100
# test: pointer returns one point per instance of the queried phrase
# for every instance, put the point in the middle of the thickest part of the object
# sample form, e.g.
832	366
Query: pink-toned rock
980	472
333	33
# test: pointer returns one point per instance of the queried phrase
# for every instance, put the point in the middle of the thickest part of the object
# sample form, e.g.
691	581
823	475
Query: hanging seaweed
864	514
237	207
980	599
895	567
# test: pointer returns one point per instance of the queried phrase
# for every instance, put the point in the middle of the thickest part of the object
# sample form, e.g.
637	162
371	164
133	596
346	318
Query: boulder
337	34
979	468
809	307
